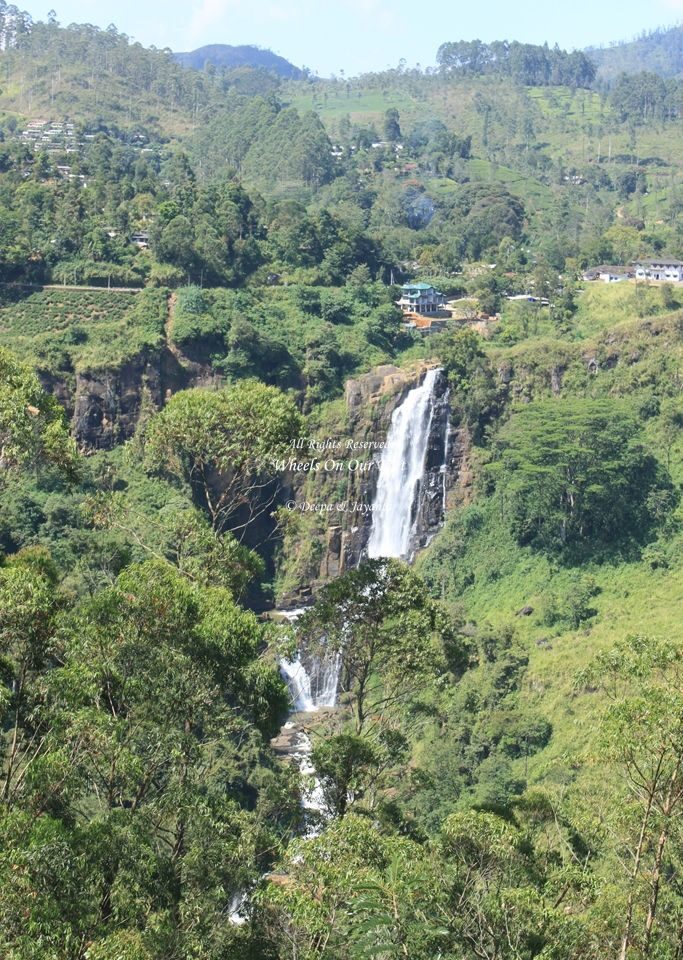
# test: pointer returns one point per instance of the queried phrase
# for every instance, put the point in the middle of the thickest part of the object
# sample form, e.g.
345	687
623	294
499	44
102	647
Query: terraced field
73	329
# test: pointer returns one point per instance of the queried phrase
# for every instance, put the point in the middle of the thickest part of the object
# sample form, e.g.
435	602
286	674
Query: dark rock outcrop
104	404
437	477
371	401
107	403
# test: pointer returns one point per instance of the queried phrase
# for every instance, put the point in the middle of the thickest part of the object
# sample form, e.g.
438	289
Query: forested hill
230	57
658	51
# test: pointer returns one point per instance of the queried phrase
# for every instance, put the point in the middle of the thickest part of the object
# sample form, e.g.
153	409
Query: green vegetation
224	445
72	330
572	475
195	263
106	796
521	62
32	425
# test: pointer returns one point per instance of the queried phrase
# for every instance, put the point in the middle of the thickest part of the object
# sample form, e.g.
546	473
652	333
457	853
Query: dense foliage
572	474
199	271
522	62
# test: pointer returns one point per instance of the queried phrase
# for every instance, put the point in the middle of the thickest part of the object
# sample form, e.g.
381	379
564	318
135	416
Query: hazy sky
355	35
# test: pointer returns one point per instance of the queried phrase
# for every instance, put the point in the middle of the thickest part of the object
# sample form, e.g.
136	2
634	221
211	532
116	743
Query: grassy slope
35	89
637	595
633	598
599	308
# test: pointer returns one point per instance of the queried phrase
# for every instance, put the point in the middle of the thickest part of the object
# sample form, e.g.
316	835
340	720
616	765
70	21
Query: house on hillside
421	298
609	273
664	268
529	298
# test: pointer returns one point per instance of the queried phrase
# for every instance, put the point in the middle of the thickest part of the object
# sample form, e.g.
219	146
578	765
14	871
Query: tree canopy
574	474
225	443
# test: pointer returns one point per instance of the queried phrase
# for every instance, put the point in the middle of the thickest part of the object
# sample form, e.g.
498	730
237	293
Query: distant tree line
644	96
526	63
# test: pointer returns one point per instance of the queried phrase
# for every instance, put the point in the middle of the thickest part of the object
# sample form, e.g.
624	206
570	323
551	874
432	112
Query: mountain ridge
658	51
235	56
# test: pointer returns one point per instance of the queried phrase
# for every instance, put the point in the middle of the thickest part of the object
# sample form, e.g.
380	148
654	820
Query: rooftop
660	261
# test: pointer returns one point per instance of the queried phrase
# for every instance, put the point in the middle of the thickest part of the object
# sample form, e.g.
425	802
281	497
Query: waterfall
312	796
314	687
311	688
401	470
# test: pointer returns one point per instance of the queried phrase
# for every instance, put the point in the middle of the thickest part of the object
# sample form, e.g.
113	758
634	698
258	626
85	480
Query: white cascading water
310	690
401	470
308	693
314	688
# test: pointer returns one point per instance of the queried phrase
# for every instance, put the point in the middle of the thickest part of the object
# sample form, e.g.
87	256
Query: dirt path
69	286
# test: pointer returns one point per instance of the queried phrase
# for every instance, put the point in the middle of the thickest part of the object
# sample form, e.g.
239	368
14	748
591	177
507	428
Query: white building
609	273
662	269
421	298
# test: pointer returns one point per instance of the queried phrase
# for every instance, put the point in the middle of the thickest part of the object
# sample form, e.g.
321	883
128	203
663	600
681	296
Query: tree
29	603
669	426
475	396
183	536
479	889
225	444
176	244
356	892
488	213
32	423
392	126
643	735
138	716
342	764
388	631
572	473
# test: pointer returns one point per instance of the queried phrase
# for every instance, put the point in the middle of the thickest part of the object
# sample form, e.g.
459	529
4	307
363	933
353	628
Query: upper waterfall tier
402	471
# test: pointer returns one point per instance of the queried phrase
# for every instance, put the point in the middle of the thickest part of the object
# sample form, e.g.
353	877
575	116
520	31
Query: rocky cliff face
370	401
438	477
104	404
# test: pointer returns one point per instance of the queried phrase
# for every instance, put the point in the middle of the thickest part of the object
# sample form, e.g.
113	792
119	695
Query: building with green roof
421	298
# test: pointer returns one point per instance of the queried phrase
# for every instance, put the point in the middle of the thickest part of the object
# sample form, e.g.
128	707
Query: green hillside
630	591
199	276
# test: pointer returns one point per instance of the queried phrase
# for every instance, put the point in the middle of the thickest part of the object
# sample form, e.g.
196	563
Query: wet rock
556	375
333	558
438	473
505	373
366	389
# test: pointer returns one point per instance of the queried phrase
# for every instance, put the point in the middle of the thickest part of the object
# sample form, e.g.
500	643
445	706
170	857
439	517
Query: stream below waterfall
312	689
313	682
